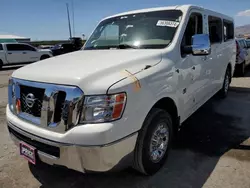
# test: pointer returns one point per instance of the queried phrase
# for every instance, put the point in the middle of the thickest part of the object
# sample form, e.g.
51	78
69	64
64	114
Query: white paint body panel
91	70
101	72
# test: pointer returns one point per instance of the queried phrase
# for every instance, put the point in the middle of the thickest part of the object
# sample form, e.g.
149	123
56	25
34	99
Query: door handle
193	67
9	53
24	53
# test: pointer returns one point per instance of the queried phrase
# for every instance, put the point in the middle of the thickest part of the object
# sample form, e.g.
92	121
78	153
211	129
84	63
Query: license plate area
28	152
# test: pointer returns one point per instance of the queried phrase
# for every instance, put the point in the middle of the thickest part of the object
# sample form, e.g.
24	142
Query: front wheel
154	141
44	57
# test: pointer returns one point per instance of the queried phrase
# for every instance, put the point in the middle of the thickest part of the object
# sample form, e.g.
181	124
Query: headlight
103	108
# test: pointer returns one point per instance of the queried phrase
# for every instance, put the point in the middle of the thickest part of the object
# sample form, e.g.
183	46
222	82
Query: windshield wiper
120	46
126	46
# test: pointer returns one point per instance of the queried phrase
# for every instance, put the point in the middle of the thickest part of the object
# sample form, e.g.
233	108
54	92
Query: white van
120	100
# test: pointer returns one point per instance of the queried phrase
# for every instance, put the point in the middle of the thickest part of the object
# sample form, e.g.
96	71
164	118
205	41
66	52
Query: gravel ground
212	150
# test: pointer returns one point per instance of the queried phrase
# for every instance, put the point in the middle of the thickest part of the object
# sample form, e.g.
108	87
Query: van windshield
142	30
248	43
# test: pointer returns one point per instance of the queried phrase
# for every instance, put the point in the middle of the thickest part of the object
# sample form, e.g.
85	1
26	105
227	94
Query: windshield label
166	23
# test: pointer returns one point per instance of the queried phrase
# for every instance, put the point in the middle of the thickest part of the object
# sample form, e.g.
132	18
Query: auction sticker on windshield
167	23
28	152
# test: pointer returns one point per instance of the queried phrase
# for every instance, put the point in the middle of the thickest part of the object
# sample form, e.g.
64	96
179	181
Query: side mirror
201	45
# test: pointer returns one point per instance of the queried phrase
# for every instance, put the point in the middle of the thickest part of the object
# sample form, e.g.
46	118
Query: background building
11	37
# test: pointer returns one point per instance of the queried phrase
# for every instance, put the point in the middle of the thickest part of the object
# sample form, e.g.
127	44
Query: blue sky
47	19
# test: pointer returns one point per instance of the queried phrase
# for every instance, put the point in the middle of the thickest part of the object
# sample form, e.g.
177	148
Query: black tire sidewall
149	166
223	93
44	57
1	64
240	69
243	69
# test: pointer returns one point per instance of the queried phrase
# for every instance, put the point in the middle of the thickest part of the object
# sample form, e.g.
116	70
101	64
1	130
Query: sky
47	19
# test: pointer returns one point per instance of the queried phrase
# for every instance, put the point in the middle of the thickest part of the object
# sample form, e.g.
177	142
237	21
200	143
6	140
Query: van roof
183	8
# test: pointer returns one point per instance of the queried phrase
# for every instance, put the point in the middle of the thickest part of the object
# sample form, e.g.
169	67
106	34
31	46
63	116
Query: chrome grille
54	107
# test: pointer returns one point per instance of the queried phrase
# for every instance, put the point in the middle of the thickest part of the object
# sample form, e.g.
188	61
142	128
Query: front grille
51	106
38	93
51	150
60	100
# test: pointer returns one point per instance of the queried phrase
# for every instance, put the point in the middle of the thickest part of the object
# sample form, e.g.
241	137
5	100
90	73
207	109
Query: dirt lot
213	150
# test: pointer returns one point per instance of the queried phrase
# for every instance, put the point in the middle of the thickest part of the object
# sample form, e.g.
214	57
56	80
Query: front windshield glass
143	30
248	43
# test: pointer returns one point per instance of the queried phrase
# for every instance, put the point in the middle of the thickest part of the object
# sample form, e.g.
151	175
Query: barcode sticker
166	23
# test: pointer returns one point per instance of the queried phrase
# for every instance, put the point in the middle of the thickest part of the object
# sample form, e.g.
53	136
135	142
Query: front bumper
80	158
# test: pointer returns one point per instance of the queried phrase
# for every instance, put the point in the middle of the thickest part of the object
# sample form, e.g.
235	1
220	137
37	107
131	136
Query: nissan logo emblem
30	100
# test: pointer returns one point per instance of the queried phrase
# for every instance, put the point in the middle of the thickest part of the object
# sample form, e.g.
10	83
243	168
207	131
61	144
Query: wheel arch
44	56
169	105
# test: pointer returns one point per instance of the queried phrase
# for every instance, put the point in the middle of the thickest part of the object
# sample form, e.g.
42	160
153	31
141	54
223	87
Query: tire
44	57
227	79
1	64
144	160
241	69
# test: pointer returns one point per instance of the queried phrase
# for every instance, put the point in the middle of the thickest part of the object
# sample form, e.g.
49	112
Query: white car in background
242	56
17	53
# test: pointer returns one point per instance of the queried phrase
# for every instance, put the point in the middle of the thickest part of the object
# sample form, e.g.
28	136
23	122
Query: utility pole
73	17
69	20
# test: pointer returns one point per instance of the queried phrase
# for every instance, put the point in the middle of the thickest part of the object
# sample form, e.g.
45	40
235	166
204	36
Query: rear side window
67	46
24	47
12	47
228	30
215	29
19	47
1	47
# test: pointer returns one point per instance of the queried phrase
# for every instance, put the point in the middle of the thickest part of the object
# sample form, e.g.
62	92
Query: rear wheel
1	64
154	141
224	90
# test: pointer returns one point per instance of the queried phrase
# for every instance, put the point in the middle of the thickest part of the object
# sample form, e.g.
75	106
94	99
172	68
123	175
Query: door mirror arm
187	49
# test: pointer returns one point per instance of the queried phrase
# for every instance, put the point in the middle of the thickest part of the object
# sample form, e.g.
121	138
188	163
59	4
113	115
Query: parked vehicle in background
74	44
45	46
248	43
243	56
121	99
62	48
16	53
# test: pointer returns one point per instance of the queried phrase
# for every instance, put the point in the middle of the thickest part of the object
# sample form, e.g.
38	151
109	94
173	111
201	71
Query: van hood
91	70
